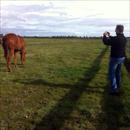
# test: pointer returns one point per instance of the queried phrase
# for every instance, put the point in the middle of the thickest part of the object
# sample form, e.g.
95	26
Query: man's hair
120	28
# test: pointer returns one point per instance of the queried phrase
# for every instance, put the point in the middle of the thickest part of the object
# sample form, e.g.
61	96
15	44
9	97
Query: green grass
63	86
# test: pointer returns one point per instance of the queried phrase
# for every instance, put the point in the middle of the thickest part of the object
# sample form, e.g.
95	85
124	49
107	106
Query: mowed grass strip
62	86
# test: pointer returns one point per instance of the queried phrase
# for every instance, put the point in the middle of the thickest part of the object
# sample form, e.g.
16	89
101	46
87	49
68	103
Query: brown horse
12	44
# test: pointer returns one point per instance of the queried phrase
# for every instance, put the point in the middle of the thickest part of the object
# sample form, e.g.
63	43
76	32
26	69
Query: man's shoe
115	92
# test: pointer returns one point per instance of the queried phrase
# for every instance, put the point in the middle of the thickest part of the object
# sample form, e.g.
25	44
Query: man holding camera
117	57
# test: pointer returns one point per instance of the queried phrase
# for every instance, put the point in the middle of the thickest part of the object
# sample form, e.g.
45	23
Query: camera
107	34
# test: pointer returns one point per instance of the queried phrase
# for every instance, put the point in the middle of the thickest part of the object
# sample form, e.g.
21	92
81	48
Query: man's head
119	29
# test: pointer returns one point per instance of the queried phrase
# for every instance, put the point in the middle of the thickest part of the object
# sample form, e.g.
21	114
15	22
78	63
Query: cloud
63	18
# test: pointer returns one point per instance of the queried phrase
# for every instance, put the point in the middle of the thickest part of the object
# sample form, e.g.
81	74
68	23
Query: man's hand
107	34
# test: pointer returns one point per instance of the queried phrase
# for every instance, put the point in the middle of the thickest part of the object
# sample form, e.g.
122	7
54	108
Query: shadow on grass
54	85
55	119
114	116
113	110
127	65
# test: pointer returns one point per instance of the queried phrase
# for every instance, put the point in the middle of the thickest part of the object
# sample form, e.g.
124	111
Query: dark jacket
117	43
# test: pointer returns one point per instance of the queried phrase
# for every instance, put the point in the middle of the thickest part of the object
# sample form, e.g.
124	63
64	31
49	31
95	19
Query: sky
72	17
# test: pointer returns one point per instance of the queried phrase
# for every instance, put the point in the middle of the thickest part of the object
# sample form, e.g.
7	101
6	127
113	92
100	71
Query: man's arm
107	40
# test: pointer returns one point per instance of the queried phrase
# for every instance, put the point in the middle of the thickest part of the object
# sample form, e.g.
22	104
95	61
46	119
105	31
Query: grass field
63	86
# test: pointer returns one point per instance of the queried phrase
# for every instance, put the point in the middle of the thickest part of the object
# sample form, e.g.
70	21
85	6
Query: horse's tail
5	47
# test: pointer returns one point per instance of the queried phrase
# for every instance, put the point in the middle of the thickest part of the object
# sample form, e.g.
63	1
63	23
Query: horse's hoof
9	70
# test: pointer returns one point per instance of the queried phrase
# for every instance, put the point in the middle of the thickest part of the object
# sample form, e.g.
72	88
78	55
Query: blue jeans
115	72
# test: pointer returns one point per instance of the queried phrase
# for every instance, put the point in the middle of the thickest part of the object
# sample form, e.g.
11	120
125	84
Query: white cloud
64	17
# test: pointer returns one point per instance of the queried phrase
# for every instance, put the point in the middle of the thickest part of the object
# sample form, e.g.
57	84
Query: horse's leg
5	55
10	54
5	52
15	59
23	57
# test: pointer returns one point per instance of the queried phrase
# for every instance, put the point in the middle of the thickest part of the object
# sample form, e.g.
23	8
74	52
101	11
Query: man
117	57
